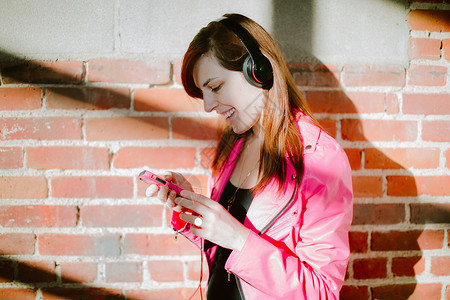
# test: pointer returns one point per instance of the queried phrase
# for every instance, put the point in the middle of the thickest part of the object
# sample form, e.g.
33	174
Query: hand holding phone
150	178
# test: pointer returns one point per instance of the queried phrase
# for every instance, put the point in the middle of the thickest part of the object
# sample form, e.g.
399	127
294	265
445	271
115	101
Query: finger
151	190
170	199
198	198
190	205
162	193
192	219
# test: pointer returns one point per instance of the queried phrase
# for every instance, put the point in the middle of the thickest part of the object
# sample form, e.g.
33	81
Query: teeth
229	113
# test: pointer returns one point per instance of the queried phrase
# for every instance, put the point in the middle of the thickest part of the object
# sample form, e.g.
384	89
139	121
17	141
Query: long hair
282	140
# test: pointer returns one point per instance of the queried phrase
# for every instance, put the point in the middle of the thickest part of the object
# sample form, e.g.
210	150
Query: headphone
256	68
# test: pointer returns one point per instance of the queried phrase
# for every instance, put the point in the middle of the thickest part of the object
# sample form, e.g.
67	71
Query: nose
209	102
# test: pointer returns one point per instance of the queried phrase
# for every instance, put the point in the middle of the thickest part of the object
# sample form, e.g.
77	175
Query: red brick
122	216
427	75
80	245
17	243
60	157
6	272
369	268
155	158
166	270
36	271
11	158
38	216
446	48
78	272
132	128
429	20
329	126
436	131
123	272
367	186
378	130
392	106
426	104
56	293
358	241
354	293
317	76
354	157
428	213
40	128
422	48
92	187
408	266
374	75
162	244
17	293
407	240
195	129
88	98
337	102
207	157
440	265
165	100
177	71
401	158
419	185
23	187
20	98
127	71
194	268
364	214
43	72
431	291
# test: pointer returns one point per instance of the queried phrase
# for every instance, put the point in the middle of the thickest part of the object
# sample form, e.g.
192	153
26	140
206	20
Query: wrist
241	239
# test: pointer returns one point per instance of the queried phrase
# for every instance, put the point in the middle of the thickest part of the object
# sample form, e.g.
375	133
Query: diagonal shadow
66	90
30	278
314	74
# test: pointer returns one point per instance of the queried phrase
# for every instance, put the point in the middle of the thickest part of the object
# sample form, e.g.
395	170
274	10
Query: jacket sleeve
317	266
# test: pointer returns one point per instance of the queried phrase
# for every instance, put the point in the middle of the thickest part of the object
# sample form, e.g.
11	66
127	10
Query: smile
229	113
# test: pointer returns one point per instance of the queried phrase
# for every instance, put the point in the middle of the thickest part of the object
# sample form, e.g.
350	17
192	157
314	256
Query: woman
275	222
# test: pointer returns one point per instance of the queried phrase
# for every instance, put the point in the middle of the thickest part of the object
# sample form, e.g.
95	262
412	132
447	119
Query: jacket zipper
281	211
238	283
261	232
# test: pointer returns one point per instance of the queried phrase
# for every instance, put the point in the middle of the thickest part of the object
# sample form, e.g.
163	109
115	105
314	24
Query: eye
216	88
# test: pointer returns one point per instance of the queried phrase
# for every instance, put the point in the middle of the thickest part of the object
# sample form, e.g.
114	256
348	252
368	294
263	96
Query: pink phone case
149	178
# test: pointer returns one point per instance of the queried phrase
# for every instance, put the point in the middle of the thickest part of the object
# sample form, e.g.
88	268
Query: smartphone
150	178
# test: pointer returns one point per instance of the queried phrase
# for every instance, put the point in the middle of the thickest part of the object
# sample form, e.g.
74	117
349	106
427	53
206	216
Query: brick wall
74	219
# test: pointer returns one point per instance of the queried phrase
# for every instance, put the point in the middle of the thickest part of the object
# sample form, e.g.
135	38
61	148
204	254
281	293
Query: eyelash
216	88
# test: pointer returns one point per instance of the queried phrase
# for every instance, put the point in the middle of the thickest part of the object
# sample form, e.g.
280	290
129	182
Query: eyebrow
208	81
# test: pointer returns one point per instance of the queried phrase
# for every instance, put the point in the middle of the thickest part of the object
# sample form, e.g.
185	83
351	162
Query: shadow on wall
325	96
32	276
65	88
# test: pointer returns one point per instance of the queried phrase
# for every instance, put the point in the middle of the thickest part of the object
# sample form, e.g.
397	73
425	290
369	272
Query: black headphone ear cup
247	69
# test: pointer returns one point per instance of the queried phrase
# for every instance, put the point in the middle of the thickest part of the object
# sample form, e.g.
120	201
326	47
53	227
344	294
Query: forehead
207	68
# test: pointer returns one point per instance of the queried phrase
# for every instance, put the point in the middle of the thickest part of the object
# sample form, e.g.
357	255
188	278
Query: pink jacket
298	247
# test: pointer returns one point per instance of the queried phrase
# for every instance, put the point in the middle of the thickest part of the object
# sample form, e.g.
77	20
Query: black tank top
222	285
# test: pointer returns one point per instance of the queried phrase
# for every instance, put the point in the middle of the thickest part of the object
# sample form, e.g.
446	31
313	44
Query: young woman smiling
275	222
